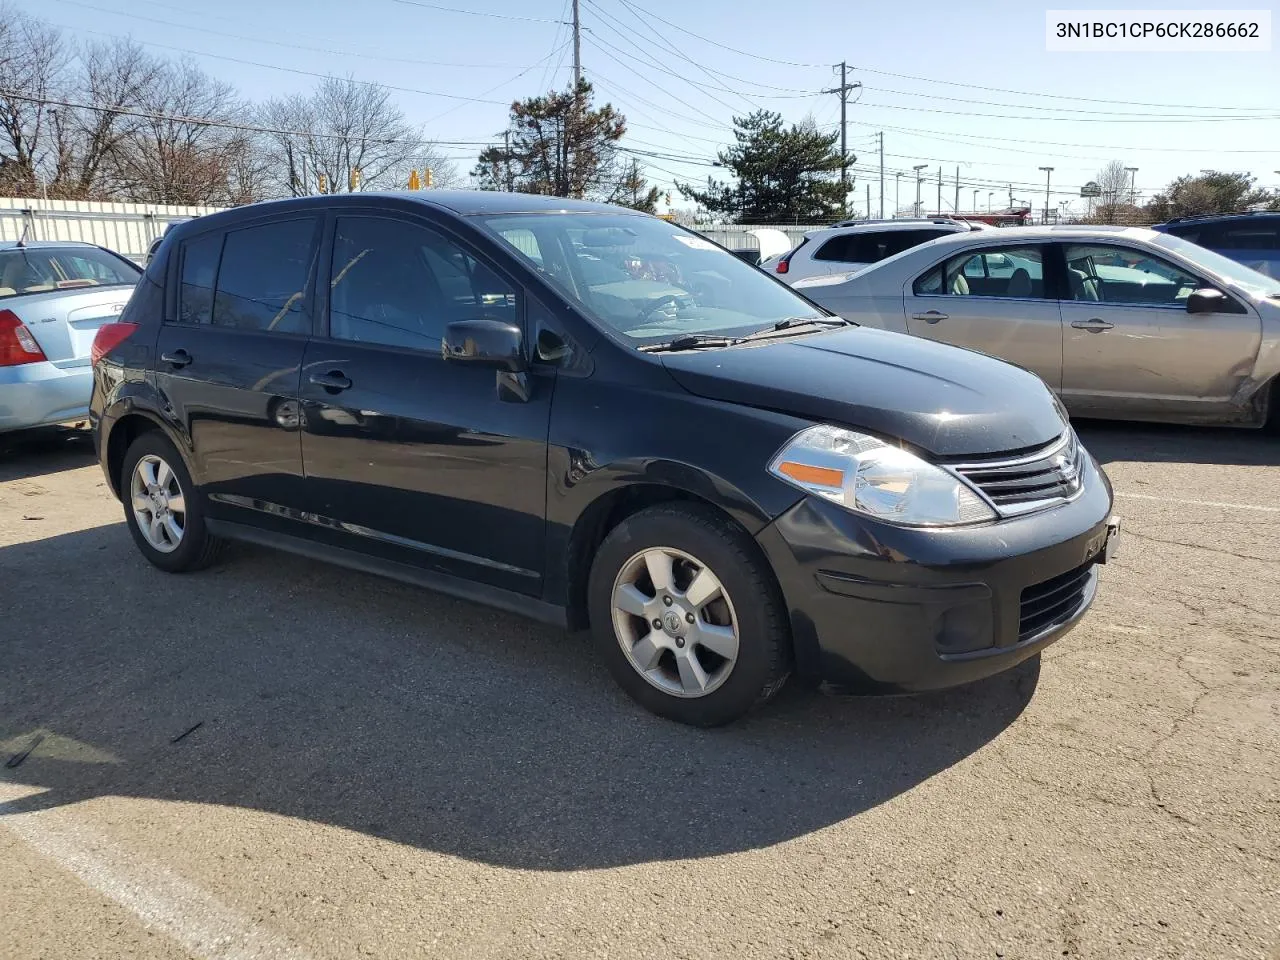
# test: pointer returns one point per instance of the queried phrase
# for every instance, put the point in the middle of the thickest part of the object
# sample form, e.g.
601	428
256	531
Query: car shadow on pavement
283	685
1113	440
34	453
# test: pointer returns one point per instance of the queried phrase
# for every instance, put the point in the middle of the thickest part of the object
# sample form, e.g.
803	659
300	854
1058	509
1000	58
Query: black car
602	420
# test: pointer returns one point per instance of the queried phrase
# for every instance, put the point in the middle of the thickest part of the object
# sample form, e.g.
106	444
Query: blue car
1249	238
53	298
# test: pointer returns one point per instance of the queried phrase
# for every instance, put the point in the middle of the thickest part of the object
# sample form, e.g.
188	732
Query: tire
195	548
745	616
1272	424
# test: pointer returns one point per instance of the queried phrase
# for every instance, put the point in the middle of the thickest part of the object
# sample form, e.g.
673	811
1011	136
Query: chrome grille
1022	481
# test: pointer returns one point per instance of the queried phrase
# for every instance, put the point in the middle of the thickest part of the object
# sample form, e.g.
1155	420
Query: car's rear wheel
687	615
163	509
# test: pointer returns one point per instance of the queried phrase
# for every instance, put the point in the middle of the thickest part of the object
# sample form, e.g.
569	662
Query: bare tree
33	59
346	136
185	150
114	82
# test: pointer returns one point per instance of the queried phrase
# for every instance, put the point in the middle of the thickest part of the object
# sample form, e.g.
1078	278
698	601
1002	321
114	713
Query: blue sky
949	84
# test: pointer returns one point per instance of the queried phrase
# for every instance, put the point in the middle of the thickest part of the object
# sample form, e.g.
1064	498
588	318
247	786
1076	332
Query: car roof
1221	217
1056	232
45	245
876	226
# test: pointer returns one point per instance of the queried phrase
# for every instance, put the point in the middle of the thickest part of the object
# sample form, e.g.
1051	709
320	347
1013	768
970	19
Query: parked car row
602	420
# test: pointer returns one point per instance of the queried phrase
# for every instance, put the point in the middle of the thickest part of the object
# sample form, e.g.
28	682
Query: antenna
22	240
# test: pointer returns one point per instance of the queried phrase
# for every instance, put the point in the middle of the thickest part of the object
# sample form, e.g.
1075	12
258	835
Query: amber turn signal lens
804	473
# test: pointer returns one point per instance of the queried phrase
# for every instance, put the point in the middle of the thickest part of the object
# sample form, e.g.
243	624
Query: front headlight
869	476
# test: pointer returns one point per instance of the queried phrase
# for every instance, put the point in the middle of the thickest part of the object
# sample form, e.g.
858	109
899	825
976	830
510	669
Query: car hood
939	398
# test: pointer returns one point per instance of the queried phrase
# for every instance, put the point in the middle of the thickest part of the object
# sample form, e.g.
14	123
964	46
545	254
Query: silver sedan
1120	322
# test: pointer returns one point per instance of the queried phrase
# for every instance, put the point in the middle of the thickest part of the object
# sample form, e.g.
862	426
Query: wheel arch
131	423
612	506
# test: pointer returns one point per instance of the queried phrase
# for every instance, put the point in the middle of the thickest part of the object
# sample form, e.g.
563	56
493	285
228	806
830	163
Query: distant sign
1091	189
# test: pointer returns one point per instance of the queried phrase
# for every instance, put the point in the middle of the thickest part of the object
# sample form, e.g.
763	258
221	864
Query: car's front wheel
162	507
687	615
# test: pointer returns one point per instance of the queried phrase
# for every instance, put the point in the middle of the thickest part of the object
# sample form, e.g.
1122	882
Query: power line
306	73
953	83
476	13
1031	106
653	64
230	125
600	43
943	135
674	49
1006	116
270	42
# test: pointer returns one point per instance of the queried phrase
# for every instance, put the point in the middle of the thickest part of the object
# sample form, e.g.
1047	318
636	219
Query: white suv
855	244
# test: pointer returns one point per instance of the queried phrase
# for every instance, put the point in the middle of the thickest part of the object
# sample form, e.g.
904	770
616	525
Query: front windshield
1248	279
648	279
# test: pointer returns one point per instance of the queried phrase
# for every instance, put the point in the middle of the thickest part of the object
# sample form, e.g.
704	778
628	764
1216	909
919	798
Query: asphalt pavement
280	758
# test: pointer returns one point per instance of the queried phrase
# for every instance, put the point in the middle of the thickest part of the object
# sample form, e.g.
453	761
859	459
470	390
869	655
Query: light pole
897	193
1048	171
990	194
975	201
919	181
1133	184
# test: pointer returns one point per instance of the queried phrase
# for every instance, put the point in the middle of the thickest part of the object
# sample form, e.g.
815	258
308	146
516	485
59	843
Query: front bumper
887	609
40	394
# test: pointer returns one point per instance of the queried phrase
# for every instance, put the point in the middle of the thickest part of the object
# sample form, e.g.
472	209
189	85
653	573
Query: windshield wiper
688	341
790	322
794	323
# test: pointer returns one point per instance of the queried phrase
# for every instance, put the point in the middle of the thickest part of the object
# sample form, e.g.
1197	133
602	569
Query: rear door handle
334	381
179	358
1095	325
929	316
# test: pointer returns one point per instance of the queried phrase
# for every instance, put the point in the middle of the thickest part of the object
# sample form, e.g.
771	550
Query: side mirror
1209	300
485	342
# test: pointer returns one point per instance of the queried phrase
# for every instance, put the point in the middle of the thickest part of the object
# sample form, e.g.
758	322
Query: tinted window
853	248
1250	237
262	283
1108	274
900	240
199	269
399	284
1003	271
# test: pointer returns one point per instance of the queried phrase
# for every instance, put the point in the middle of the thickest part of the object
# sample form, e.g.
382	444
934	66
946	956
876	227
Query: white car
853	245
1120	322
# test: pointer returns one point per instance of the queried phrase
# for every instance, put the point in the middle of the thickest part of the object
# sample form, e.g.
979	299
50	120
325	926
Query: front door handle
179	358
1096	325
929	316
334	381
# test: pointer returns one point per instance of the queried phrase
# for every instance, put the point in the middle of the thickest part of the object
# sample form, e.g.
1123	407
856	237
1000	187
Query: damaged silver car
1121	322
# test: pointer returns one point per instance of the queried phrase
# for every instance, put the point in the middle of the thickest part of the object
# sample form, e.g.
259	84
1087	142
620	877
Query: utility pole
868	201
897	193
1048	171
577	46
843	91
1133	184
919	182
956	208
506	154
881	136
939	191
1011	198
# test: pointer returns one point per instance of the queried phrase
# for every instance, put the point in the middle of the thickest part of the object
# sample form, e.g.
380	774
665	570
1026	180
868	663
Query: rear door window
199	259
998	271
263	279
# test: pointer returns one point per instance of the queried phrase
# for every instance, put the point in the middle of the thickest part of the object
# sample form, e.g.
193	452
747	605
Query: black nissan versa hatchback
602	420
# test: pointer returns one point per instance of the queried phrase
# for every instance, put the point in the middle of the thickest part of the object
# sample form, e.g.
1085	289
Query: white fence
126	228
129	228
